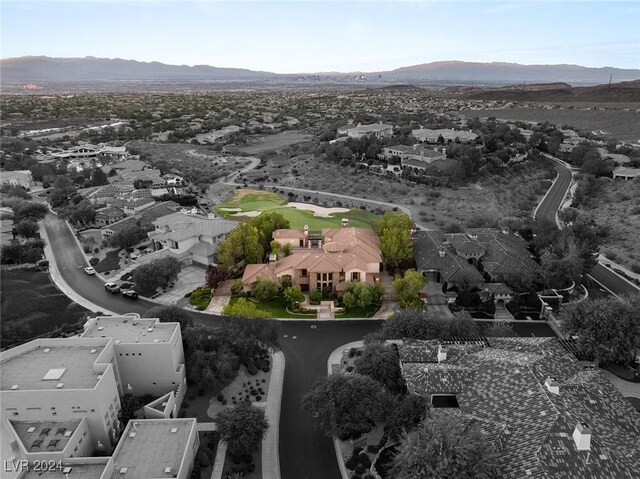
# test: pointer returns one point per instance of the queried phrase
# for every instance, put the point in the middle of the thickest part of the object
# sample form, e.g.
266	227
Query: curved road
551	203
555	196
304	453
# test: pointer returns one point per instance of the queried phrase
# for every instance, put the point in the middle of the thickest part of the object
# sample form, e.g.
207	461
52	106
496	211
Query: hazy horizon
308	37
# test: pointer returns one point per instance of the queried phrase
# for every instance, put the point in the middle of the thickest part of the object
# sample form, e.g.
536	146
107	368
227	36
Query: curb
334	358
535	211
60	283
218	464
271	442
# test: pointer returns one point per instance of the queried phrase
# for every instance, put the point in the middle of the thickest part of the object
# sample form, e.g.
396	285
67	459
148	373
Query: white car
90	270
113	288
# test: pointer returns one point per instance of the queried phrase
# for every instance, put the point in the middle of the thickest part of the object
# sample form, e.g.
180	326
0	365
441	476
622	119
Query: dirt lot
616	205
191	159
619	124
512	194
263	143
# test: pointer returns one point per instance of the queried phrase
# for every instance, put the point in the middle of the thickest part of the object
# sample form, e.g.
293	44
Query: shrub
94	261
264	289
352	462
236	287
360	469
635	268
315	296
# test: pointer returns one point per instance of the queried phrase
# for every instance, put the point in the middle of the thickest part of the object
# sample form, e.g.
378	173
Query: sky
311	36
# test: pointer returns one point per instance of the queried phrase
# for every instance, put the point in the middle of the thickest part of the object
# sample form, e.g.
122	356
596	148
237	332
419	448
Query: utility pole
610	78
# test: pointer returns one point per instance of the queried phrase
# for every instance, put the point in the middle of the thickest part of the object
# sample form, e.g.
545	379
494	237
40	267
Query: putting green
256	200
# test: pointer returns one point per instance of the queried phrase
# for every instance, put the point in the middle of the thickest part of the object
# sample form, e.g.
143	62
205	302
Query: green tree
563	262
127	237
293	296
98	177
242	244
361	295
266	223
264	289
445	446
156	274
286	249
26	228
27	210
171	314
380	361
408	288
345	406
242	427
406	413
245	309
608	329
395	239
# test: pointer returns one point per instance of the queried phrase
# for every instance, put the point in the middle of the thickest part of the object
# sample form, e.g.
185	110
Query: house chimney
582	436
442	353
552	385
442	253
344	222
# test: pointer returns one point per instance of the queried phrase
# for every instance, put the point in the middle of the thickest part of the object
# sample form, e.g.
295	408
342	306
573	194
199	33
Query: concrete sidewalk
271	442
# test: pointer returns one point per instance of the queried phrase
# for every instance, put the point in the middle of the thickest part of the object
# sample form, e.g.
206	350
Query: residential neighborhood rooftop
44	364
542	399
150	449
45	436
130	330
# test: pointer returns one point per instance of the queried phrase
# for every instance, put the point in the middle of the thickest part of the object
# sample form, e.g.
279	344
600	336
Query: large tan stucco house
328	259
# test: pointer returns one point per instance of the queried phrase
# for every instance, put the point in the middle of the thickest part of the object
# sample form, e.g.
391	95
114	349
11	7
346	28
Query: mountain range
33	69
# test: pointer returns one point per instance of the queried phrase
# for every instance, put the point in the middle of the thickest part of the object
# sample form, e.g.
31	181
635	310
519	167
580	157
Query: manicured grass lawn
277	307
247	200
359	312
256	200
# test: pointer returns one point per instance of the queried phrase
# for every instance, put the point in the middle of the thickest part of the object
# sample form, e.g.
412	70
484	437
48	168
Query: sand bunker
320	211
230	209
250	214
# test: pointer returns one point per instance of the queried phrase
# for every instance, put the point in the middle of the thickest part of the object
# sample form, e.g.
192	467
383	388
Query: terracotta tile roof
359	247
436	378
501	253
503	386
417	351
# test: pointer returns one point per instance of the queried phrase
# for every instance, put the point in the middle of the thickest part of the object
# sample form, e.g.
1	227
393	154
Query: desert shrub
360	469
635	268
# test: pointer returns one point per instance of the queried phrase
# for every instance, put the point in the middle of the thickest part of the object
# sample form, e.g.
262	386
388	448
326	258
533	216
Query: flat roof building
155	448
62	380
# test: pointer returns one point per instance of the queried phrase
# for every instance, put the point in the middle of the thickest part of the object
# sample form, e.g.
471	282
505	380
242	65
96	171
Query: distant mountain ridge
512	72
32	69
41	68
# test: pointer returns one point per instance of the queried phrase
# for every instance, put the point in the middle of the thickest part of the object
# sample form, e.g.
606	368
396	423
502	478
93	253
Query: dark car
130	293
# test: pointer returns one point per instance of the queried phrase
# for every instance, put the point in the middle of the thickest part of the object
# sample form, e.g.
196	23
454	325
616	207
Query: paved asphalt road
611	280
554	199
304	453
548	209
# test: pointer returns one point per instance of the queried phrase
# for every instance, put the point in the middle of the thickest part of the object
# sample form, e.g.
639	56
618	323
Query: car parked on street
112	287
130	293
89	270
